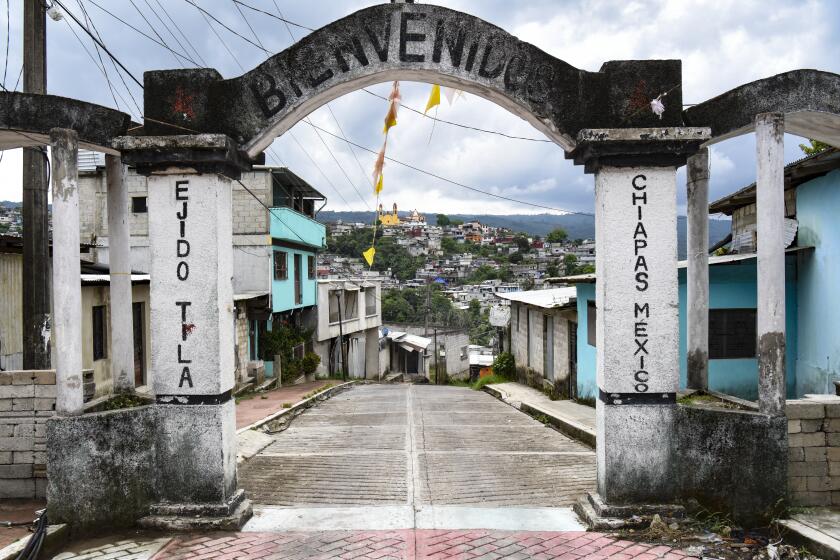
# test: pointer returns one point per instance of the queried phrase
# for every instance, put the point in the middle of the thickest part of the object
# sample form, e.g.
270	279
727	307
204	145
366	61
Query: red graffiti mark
187	329
639	98
183	104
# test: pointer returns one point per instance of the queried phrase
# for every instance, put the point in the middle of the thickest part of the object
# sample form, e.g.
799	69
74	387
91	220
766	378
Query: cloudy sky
722	44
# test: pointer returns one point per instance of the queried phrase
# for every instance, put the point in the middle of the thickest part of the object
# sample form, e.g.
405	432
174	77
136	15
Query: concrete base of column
197	489
597	515
635	453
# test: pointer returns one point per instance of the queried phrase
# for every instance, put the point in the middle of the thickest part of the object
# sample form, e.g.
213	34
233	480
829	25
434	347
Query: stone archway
602	120
417	42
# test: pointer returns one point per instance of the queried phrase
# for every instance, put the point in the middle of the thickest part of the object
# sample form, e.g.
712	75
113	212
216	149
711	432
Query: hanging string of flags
394	99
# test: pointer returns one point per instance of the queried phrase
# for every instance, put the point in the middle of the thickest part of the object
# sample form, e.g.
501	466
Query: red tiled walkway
256	408
409	544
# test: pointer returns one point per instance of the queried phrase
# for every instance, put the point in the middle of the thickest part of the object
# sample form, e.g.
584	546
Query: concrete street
416	451
404	472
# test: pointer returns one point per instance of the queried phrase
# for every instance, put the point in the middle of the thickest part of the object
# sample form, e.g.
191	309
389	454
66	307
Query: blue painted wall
587	355
731	286
818	359
283	291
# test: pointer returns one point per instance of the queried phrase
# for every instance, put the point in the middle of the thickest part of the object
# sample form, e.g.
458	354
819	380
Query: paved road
419	456
400	472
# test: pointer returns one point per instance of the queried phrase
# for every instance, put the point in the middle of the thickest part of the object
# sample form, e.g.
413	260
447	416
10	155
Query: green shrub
504	366
310	363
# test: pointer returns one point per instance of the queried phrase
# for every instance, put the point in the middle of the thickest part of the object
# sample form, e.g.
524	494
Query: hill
576	226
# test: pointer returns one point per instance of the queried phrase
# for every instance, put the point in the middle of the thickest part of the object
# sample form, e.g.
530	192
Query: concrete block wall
27	400
249	216
814	451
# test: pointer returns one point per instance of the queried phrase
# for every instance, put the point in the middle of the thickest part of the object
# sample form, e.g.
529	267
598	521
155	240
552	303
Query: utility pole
341	353
437	367
36	252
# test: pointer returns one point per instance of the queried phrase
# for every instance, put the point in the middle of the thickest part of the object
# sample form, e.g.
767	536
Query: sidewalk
573	419
261	405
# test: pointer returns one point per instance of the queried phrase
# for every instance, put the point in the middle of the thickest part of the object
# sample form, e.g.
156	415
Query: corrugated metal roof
89	160
547	299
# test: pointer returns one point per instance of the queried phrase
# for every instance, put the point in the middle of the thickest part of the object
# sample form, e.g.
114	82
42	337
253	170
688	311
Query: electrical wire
152	27
104	48
8	35
98	54
139	31
456	183
178	28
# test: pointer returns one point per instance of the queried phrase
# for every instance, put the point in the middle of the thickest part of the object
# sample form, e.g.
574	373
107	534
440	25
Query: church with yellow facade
392	219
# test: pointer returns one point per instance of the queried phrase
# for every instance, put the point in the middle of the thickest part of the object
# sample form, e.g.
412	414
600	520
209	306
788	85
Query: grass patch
287	405
708	400
311	394
488	380
118	402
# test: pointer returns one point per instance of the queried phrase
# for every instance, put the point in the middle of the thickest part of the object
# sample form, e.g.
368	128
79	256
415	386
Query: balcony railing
292	226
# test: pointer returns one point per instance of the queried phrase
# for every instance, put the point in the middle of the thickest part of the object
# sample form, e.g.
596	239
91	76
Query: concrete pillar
191	240
698	270
67	287
119	258
770	216
636	293
637	331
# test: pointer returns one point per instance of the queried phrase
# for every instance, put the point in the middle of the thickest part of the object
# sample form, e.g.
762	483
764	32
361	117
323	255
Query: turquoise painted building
812	277
296	239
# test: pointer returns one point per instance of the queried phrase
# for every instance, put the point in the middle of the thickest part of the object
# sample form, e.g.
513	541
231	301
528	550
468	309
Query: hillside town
390	282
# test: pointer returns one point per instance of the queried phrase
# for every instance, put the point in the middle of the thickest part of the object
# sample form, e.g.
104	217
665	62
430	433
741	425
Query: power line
214	18
456	183
8	38
152	27
465	126
89	19
109	53
184	35
137	30
98	55
269	14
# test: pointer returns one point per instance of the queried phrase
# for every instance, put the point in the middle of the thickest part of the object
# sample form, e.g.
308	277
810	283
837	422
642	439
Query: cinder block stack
27	400
814	451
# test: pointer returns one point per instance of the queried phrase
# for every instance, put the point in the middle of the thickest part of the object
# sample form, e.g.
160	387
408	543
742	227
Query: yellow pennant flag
390	119
368	255
434	98
378	188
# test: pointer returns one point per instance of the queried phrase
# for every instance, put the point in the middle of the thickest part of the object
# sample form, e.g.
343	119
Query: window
100	334
465	354
298	279
370	301
732	333
310	267
138	205
334	295
591	318
350	305
281	266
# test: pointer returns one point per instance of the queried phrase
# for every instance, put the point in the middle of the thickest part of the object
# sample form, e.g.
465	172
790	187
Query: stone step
817	542
593	521
665	511
190	523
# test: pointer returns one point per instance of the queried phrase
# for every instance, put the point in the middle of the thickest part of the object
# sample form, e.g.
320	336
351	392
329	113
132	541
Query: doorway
138	322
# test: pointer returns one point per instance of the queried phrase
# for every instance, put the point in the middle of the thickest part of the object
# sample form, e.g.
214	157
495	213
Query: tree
449	246
515	258
443	220
557	235
552	271
814	147
570	263
523	243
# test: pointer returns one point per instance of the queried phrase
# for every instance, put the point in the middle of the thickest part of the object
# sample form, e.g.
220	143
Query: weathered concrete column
697	275
637	329
192	339
119	261
770	217
67	284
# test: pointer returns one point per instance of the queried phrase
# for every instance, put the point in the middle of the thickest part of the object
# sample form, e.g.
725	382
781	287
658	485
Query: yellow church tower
390	219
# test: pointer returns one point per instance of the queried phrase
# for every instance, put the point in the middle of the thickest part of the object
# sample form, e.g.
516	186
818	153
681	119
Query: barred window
281	265
732	333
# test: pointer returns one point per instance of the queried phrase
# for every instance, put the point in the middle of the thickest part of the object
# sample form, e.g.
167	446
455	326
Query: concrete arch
417	42
810	100
27	118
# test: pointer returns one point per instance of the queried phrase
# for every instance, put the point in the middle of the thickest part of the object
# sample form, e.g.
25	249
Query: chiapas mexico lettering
641	276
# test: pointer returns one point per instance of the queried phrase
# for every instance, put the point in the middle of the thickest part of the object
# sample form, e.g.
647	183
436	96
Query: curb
56	534
565	426
817	542
297	407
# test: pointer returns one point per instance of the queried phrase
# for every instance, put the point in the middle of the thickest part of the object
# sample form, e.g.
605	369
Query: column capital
636	147
197	153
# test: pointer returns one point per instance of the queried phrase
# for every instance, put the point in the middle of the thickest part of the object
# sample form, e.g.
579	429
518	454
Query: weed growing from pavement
287	405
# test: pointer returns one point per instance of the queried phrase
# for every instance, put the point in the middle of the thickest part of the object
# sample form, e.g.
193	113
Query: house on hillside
541	335
812	203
